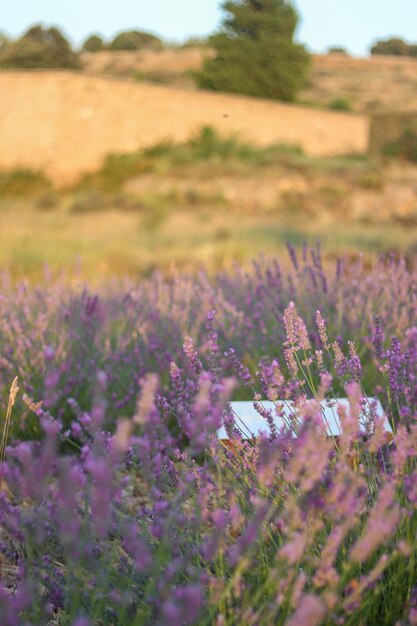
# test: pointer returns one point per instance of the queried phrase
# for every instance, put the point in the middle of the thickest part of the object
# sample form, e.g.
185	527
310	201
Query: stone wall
65	123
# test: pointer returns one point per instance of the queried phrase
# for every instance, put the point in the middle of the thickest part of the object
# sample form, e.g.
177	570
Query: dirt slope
67	122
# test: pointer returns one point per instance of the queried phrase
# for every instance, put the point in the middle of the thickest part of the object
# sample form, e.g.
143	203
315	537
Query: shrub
405	147
93	43
116	170
135	40
160	77
341	104
39	47
255	51
206	145
23	182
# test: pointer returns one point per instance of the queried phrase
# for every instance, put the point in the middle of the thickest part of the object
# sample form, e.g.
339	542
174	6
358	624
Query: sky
352	24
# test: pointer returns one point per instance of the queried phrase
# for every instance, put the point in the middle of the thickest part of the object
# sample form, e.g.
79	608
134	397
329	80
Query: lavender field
120	505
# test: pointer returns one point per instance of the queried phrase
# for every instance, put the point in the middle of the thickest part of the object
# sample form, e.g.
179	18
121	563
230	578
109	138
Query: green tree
135	40
255	51
93	43
39	47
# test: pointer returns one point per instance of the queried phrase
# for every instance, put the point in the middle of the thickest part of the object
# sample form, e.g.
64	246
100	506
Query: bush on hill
22	182
394	47
337	50
39	47
135	40
93	43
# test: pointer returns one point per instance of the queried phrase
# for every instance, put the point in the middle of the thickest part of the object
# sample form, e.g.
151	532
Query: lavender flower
118	502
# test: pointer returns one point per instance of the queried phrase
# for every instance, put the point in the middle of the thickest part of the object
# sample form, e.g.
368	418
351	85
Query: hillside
378	83
367	84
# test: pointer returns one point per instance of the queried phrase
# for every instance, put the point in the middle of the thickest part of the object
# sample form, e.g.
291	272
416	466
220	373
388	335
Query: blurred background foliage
214	199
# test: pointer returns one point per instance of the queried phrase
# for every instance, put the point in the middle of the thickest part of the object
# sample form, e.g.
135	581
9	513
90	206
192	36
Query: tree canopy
255	50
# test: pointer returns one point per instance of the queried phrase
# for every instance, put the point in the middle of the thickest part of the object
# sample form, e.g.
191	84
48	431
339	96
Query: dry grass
94	246
6	427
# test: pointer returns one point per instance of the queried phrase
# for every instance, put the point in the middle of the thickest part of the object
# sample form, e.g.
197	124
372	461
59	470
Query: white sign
251	423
